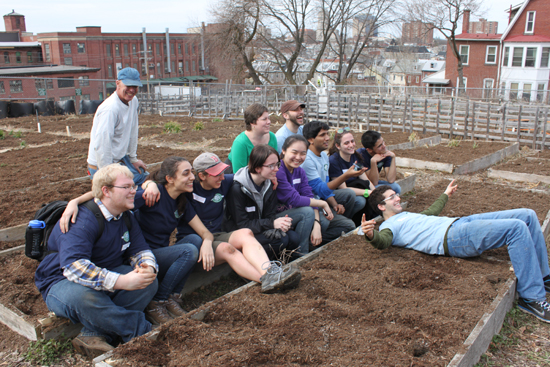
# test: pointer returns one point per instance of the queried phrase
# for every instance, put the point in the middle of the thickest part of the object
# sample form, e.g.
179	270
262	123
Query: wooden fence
454	117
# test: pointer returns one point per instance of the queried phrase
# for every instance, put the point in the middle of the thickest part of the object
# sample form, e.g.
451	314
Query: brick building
483	26
418	33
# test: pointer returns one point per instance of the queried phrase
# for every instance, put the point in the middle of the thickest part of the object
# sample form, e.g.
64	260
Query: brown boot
91	346
173	305
156	313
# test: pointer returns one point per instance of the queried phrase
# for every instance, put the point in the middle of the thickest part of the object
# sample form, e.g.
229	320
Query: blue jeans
346	197
175	264
103	313
517	228
394	186
332	229
302	223
193	239
139	176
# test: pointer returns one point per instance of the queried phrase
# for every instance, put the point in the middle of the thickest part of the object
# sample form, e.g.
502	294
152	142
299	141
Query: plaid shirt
86	273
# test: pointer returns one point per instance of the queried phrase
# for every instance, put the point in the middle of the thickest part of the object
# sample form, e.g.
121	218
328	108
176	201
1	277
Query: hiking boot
278	278
156	313
173	305
91	346
539	309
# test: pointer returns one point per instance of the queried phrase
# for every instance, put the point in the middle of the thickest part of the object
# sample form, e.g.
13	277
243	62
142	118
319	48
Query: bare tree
444	15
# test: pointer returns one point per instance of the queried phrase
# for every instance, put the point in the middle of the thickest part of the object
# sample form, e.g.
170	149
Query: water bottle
33	235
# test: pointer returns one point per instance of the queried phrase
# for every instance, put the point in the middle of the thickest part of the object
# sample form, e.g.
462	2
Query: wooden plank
517	176
200	277
17	323
407	183
486	161
490	323
13	233
416	163
432	140
12	250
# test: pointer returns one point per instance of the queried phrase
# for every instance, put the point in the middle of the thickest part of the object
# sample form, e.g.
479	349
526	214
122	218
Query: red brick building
418	33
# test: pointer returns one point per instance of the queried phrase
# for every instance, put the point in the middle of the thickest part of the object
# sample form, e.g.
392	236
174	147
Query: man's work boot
91	346
156	313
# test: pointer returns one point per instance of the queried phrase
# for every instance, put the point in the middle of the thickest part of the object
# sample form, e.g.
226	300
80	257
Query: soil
540	166
456	155
396	137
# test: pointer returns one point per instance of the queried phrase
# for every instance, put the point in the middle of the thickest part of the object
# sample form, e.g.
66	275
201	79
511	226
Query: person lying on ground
87	280
469	236
114	134
252	203
157	222
343	157
257	122
376	156
295	195
316	165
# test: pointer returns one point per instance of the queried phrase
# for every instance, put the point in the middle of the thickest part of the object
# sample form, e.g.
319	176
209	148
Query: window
6	57
18	57
540	93
172	49
83	81
67	98
158	67
487	87
126	65
517	59
506	56
80	48
526	96
544	57
143	71
409	78
108	50
179	49
530	22
417	79
173	69
491	56
85	97
68	60
117	49
29	56
66	48
65	83
40	58
125	49
514	90
158	49
135	66
49	83
187	67
16	86
464	54
134	50
2	90
193	66
186	49
47	51
531	57
166	67
110	71
180	67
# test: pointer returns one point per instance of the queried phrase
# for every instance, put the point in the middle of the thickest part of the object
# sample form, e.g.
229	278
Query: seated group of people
286	195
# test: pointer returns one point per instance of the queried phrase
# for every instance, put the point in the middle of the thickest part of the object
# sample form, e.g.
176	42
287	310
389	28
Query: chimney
466	21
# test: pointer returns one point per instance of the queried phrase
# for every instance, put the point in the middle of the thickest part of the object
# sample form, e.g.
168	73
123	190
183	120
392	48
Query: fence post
368	113
380	107
405	112
411	115
536	127
519	121
357	108
452	118
503	121
391	114
425	115
488	119
466	116
338	101
438	115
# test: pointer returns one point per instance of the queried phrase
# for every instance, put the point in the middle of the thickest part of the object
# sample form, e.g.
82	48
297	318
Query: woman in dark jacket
252	203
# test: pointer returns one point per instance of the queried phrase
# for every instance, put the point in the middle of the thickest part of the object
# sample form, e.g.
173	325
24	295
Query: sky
132	16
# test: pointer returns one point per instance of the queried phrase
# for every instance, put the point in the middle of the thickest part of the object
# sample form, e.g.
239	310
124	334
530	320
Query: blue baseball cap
129	77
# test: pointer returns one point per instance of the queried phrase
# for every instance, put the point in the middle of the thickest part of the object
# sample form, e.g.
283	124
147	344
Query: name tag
198	198
125	246
250	209
296	181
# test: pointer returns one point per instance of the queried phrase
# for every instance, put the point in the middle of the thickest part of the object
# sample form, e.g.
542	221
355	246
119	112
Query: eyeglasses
391	197
127	188
273	166
346	129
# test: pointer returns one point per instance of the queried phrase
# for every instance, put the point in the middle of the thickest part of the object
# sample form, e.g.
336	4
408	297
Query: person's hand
283	223
145	268
135	280
69	215
389	154
376	158
367	226
351	172
151	194
451	189
316	237
328	212
139	164
339	209
274	182
206	255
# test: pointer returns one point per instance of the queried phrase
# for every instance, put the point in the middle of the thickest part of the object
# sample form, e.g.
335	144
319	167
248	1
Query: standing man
101	279
469	236
293	114
376	156
114	133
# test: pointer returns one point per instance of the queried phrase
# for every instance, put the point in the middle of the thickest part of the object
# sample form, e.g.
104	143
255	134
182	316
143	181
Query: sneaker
278	278
91	346
546	281
539	309
173	305
156	313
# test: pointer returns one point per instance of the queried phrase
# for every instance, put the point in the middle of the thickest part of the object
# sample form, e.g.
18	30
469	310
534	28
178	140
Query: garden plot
359	305
457	157
534	169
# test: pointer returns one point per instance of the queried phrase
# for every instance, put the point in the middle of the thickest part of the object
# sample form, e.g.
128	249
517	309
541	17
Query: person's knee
226	250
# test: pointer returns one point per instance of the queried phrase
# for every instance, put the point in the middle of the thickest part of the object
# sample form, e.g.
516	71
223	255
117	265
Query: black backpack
36	240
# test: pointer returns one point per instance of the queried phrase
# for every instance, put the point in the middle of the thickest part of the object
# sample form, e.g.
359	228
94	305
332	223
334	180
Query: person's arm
240	212
316	237
439	204
71	211
240	152
323	205
372	173
350	173
132	144
206	254
391	171
106	121
151	193
380	240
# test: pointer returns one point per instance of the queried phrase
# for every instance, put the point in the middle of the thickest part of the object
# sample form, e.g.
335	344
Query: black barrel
21	109
45	108
65	107
88	106
4	109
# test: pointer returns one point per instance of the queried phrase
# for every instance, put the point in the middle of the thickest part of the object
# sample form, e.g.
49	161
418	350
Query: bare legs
244	254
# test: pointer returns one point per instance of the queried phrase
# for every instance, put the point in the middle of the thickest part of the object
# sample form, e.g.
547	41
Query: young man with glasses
467	237
376	156
88	280
293	114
